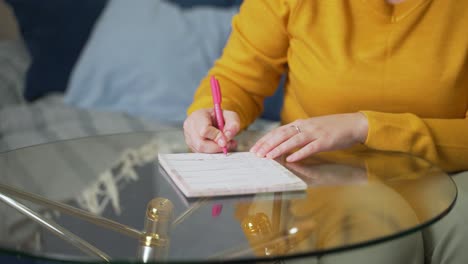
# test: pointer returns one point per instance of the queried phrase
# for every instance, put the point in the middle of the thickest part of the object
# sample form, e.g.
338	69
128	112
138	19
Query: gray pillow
147	58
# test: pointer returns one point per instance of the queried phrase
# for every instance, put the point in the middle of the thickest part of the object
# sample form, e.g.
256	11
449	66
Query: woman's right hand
202	135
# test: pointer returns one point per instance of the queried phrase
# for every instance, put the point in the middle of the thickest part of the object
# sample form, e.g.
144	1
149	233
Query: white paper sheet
199	175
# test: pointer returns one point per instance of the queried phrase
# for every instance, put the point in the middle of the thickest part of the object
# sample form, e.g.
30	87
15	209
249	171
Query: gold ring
297	129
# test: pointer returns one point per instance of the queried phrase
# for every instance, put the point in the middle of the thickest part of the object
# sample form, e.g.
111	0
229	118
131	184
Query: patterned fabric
49	119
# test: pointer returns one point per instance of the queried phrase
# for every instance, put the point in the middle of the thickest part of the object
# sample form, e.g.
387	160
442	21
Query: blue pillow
147	58
55	32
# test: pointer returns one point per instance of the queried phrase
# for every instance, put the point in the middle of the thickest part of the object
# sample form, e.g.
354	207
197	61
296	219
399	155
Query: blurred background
79	68
72	68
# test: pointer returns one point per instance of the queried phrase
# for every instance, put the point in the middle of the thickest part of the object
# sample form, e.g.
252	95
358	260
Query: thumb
231	124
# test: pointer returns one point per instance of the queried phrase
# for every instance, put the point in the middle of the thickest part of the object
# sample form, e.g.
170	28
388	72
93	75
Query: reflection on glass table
106	198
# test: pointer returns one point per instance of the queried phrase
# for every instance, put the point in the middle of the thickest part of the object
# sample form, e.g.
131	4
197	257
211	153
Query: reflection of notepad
199	175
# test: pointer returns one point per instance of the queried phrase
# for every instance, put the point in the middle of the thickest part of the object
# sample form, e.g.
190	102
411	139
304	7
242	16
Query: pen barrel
219	117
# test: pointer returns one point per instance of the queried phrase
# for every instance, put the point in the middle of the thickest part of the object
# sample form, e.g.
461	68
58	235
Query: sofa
72	69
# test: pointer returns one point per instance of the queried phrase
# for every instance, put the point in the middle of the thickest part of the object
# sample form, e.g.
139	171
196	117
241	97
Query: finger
209	146
232	145
200	120
205	126
214	134
206	146
286	130
191	129
309	149
188	140
197	128
297	141
273	139
232	124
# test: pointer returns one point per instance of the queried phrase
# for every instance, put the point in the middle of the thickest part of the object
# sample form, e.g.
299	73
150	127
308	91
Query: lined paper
202	175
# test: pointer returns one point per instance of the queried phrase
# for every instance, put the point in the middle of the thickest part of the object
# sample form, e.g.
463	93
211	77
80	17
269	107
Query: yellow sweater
405	67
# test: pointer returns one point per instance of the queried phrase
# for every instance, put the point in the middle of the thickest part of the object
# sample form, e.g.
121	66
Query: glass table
106	198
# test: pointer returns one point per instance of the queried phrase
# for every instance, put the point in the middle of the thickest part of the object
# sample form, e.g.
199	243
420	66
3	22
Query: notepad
204	175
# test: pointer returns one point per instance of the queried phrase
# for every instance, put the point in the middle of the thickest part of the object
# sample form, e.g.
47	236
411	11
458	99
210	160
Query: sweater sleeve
252	62
444	142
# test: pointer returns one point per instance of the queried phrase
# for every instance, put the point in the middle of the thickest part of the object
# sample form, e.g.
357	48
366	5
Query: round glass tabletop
106	198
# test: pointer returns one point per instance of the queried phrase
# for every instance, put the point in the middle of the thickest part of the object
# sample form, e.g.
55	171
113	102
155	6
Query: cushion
55	32
147	57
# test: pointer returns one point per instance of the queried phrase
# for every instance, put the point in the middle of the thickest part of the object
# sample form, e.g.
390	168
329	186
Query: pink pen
216	93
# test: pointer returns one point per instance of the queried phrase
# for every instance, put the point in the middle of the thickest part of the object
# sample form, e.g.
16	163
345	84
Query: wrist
362	127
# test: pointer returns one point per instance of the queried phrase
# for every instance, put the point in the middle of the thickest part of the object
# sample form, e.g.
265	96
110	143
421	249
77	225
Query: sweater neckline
395	12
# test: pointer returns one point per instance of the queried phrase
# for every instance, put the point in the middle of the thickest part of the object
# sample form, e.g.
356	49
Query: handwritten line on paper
197	174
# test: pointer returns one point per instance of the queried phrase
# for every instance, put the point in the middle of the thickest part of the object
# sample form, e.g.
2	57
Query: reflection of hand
201	135
329	174
313	135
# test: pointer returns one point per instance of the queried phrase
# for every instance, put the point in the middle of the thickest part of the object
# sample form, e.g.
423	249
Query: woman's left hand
313	135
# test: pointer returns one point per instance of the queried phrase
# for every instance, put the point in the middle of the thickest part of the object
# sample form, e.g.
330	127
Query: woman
384	74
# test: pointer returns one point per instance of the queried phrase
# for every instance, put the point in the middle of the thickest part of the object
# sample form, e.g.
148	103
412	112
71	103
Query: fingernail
290	158
228	134
222	143
260	154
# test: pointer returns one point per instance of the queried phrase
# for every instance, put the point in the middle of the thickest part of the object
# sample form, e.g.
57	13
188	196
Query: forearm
443	142
252	62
